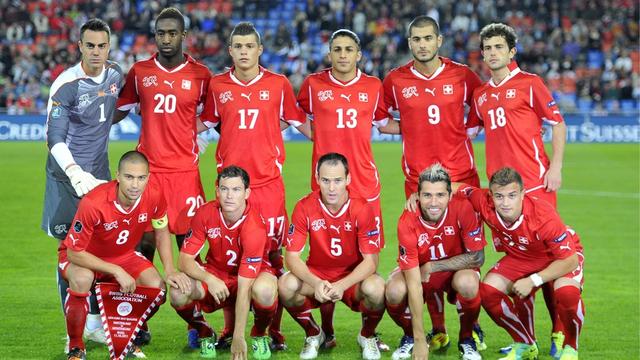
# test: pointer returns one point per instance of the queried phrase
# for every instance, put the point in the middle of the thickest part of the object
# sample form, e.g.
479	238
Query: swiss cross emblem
448	230
511	93
113	88
523	240
363	97
264	94
447	89
347	225
142	217
186	84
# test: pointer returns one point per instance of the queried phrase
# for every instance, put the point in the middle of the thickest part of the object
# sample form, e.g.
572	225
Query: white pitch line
619	195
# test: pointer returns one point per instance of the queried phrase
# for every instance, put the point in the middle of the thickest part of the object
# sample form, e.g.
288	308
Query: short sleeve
471	227
82	226
408	257
291	112
128	97
304	96
369	240
543	103
298	229
254	240
556	236
381	116
196	236
390	102
210	116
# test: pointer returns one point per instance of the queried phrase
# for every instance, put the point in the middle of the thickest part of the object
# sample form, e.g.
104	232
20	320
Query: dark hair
95	25
506	176
234	171
333	159
344	32
132	156
499	29
423	21
433	174
171	13
245	28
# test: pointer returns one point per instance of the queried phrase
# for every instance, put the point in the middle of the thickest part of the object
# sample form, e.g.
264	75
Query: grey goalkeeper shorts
60	206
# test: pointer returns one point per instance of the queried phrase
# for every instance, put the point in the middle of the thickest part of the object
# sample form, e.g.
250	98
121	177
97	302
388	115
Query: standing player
344	243
540	249
249	103
236	269
170	88
430	92
344	104
512	106
441	250
79	116
101	244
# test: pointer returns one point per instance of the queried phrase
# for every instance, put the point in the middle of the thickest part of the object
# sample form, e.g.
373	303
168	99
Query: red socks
503	312
571	312
302	315
193	316
263	316
468	311
76	310
401	315
370	320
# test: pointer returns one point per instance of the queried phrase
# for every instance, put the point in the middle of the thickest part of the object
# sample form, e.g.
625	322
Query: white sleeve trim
63	156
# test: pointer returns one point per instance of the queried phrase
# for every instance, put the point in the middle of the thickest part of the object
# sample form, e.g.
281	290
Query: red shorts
514	268
184	194
208	304
541	193
411	186
133	263
442	282
270	202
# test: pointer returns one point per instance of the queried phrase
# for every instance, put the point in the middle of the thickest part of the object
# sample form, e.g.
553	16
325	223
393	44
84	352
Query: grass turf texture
599	198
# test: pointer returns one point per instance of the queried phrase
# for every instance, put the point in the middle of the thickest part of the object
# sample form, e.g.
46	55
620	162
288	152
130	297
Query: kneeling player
236	271
344	242
540	248
101	244
441	250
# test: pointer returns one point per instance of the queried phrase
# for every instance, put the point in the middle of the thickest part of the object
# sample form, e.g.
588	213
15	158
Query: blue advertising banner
581	128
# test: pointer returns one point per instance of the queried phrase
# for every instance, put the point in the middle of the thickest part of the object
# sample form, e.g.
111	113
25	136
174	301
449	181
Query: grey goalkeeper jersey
79	113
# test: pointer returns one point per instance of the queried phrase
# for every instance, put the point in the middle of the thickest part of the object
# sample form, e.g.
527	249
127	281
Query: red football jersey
458	231
336	241
234	249
539	235
169	104
104	228
512	113
432	119
249	115
343	114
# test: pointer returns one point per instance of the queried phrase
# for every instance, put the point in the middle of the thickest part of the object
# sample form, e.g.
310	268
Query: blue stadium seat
595	59
627	105
611	105
584	105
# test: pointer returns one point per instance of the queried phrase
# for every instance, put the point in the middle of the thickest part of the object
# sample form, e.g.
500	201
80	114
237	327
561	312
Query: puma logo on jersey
63	265
229	239
247	96
336	228
347	97
375	243
251	267
431	91
565	247
170	83
128	221
73	239
497	96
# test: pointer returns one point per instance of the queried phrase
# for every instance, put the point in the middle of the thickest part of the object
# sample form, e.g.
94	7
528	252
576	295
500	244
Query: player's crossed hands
180	281
321	291
337	292
126	282
217	289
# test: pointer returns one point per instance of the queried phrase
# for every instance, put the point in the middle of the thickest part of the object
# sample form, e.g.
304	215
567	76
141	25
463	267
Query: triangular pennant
123	314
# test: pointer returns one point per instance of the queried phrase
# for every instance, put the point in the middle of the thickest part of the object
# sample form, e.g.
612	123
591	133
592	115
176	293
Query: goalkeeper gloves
82	181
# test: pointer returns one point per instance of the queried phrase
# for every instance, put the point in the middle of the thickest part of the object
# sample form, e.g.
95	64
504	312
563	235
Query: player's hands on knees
522	287
180	281
420	349
321	291
238	348
412	202
127	282
218	289
552	179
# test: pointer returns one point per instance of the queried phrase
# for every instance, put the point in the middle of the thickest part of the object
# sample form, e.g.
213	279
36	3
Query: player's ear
247	193
348	179
439	40
512	52
359	56
260	49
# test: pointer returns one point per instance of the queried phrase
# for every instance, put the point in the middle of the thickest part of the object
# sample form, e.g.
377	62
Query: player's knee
467	286
288	285
264	292
177	298
373	288
81	280
395	291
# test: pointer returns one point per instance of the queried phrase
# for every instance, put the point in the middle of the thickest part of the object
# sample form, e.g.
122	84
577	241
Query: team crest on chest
363	97
409	92
347	226
448	230
110	226
324	95
511	93
214	233
447	89
264	95
482	99
423	239
113	88
142	217
318	224
150	80
225	96
186	84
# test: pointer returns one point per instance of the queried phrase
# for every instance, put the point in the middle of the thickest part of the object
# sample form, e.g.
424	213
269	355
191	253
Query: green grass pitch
599	198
